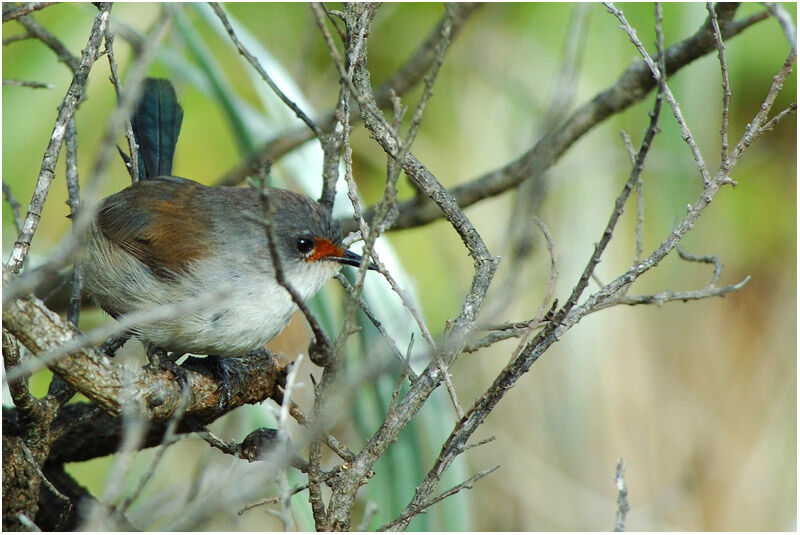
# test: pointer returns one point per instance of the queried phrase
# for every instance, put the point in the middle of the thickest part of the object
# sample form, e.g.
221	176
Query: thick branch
110	385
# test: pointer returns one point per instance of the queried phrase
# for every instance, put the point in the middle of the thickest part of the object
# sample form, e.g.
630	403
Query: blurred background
698	398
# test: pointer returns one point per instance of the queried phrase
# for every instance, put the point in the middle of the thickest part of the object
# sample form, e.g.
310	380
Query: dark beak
351	259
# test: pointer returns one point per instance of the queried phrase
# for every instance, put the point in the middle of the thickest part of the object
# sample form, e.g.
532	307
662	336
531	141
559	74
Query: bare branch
65	113
634	84
405	78
266	77
400	522
26	83
622	499
785	20
34	29
11	11
8	195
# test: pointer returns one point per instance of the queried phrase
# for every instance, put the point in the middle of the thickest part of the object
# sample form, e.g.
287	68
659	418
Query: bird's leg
218	367
113	343
159	359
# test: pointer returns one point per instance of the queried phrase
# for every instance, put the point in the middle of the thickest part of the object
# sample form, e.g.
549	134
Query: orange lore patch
324	248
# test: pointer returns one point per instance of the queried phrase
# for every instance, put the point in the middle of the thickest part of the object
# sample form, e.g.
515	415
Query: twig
27	83
133	148
30	409
266	77
726	88
670	98
16	11
65	113
550	290
36	30
759	125
15	38
370	510
785	20
14	205
490	438
403	375
405	78
634	85
229	448
378	325
327	476
320	350
626	139
170	437
623	507
332	442
411	512
73	191
283	438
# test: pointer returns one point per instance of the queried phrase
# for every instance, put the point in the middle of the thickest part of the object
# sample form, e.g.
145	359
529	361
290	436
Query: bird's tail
156	124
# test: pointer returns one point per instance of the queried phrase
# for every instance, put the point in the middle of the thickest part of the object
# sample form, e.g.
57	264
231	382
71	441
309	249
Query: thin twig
65	113
57	493
378	325
408	514
726	88
549	291
785	20
170	437
266	77
27	83
16	11
320	350
15	38
759	125
623	507
73	192
36	30
30	409
14	205
637	255
670	98
133	148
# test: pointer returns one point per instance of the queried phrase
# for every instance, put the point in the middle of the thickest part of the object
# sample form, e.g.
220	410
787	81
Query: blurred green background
699	398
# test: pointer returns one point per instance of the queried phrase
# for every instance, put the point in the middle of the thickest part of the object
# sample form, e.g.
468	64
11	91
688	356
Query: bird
166	239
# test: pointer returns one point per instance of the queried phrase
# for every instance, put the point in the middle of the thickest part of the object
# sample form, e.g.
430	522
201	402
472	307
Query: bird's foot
159	360
218	367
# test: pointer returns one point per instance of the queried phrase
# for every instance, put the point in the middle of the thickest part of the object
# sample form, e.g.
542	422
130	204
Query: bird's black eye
304	245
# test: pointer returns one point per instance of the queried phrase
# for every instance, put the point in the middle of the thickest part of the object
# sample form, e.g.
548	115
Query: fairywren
166	239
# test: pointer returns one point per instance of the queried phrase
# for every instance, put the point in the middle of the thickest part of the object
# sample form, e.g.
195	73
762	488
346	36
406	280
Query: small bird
166	239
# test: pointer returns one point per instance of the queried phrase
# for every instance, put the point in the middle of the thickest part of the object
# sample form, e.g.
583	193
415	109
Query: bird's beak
351	259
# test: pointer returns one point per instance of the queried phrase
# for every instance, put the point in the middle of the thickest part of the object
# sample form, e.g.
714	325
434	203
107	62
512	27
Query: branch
403	519
11	12
405	78
455	336
101	380
65	113
634	84
623	507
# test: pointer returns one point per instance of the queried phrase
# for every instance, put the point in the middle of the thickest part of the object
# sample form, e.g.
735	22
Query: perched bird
166	239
